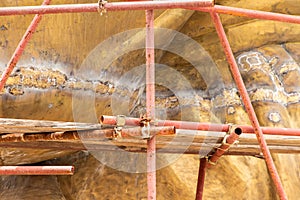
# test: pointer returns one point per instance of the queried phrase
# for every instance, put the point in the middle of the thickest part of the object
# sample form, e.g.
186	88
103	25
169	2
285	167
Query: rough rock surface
53	74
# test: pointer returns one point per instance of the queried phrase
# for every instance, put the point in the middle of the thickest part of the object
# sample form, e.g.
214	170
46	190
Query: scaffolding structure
149	6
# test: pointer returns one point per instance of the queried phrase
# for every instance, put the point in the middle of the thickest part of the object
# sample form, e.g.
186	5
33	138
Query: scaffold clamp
101	8
211	162
120	123
145	123
230	130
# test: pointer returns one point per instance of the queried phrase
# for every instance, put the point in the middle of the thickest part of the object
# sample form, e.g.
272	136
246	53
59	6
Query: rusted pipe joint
146	131
229	139
117	133
120	123
120	120
211	162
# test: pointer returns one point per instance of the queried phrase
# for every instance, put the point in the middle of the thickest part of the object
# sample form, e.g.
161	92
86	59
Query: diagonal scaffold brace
29	170
247	103
21	46
206	162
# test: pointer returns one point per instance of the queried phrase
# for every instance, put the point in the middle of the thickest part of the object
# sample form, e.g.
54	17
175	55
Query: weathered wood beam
252	150
180	143
31	126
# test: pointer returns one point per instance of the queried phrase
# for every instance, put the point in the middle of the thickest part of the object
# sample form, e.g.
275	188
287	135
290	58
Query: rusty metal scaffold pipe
202	126
94	7
201	178
247	103
130	132
203	6
234	134
255	14
36	170
21	46
150	103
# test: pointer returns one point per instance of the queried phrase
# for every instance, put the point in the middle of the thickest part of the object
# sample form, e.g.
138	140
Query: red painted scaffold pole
36	170
202	126
247	103
21	46
113	6
150	103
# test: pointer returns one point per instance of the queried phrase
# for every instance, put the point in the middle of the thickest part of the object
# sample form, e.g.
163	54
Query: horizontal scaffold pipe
36	170
255	14
85	134
201	126
95	7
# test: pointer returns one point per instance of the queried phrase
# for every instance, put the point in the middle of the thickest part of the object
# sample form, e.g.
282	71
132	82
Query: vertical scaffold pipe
201	178
150	103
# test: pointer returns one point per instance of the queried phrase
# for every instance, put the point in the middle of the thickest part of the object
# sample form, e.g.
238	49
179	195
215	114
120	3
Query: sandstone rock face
60	76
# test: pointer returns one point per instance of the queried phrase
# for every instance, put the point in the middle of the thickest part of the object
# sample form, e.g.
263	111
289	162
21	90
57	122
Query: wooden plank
140	146
30	126
63	136
100	138
108	146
